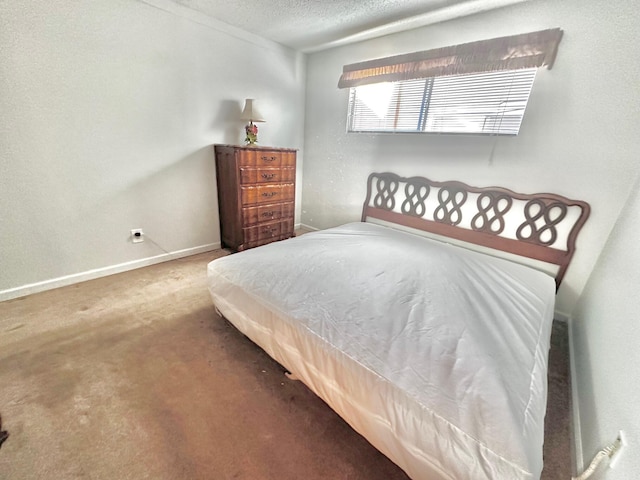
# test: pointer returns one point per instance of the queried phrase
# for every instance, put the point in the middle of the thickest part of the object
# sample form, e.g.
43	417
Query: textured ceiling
310	25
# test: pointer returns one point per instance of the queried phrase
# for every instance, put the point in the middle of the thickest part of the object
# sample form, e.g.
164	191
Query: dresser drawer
252	195
266	213
266	158
250	175
268	231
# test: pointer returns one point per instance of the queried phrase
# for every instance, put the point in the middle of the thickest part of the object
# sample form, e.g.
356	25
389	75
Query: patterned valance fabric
527	50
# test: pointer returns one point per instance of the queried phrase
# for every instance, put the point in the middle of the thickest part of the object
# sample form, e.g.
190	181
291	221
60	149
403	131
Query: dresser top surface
256	147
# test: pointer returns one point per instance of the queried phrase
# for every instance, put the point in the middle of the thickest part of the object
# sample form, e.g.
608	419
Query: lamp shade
250	113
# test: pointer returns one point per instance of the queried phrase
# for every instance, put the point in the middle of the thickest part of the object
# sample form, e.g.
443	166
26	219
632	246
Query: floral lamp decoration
250	113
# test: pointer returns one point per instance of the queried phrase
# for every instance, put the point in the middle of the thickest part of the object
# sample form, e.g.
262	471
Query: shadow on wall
185	192
176	205
228	115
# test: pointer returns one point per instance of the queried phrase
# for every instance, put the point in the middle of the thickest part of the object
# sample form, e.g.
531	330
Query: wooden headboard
541	226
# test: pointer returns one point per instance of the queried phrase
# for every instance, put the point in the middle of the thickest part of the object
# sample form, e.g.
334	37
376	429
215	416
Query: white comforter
436	354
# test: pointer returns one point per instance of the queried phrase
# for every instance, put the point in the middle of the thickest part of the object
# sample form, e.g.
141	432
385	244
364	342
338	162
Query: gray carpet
134	376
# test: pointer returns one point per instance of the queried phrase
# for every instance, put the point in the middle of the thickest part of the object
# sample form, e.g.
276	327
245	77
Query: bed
426	325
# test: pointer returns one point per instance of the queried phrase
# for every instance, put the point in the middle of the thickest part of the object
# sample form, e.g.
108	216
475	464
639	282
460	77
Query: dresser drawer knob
268	214
269	194
268	176
269	230
268	159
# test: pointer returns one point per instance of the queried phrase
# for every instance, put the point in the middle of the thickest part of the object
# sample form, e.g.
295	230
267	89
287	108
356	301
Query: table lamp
250	113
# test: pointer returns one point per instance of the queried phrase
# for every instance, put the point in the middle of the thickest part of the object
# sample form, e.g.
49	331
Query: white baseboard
561	316
576	431
101	272
306	227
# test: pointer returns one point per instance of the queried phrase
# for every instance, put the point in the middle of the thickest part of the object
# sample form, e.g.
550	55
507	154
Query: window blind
491	103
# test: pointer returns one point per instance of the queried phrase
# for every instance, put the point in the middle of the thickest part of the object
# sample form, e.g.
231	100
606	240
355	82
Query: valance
527	50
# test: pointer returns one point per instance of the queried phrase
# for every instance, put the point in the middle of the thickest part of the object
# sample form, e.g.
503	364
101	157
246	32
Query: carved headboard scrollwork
542	226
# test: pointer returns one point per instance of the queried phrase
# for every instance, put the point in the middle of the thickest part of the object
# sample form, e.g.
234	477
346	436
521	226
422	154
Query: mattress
434	353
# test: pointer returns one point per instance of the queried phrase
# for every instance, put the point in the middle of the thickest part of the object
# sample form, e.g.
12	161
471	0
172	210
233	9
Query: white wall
606	341
109	110
578	137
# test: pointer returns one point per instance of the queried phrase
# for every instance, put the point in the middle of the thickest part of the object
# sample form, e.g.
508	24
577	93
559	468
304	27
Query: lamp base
252	133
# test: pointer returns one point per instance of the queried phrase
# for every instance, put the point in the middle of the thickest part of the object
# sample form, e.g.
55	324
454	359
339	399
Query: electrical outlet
622	439
137	235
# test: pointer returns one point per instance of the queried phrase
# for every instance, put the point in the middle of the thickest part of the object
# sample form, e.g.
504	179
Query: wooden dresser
256	194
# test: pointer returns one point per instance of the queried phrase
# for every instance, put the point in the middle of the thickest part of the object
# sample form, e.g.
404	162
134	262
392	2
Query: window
479	87
490	103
